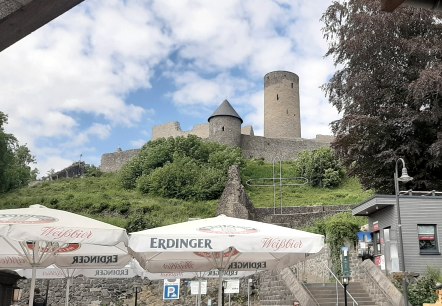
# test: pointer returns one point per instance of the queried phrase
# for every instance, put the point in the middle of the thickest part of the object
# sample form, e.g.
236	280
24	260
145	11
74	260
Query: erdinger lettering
159	243
95	259
227	273
277	244
247	265
111	272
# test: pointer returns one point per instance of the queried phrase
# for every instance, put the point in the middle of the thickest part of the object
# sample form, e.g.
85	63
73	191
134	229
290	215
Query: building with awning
421	218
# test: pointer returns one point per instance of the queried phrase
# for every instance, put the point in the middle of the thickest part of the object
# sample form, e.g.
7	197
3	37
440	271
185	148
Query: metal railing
337	291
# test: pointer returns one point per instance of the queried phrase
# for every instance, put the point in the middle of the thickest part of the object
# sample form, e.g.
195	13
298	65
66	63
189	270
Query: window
427	239
277	97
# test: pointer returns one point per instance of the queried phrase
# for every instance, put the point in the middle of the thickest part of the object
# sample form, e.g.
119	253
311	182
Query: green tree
321	167
388	88
15	159
184	168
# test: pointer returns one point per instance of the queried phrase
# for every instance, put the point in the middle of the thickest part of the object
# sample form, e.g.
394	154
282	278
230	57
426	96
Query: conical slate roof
225	109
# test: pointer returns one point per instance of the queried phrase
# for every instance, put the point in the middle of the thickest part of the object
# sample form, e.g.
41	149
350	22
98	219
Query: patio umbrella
222	243
53	272
38	236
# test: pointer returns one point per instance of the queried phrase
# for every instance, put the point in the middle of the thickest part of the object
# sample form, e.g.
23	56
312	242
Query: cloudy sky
100	76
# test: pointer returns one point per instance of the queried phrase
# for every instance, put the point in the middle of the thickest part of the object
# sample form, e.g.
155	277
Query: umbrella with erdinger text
222	243
37	237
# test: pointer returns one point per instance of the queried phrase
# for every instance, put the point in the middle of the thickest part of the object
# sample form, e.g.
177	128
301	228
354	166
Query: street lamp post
345	281
404	178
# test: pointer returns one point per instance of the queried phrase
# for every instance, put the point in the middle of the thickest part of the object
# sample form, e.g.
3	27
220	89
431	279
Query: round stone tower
225	125
282	118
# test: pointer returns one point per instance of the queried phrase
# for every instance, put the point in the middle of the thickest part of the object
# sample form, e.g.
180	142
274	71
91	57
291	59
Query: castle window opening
277	97
222	129
292	85
287	112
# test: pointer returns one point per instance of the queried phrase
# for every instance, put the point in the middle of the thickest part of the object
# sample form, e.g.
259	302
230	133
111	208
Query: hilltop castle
282	127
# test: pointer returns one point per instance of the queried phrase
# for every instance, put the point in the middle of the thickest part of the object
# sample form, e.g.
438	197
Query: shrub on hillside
423	290
321	167
184	167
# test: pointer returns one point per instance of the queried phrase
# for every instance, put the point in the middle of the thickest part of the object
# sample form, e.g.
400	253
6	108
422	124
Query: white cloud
65	87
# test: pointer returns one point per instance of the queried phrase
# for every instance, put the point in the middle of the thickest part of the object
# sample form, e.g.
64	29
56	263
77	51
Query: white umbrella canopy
222	243
38	236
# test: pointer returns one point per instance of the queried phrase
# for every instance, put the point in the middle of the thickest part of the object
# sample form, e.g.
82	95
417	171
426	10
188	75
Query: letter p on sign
171	290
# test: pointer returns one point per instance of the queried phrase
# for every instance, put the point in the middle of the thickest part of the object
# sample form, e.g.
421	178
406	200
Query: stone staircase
325	294
273	290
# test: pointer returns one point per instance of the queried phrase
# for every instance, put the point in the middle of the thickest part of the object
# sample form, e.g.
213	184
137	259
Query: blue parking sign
171	289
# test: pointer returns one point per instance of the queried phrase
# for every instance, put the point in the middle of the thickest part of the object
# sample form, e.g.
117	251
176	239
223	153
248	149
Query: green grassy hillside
102	198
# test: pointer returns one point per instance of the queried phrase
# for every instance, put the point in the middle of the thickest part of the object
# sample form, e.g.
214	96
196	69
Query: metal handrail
309	293
337	294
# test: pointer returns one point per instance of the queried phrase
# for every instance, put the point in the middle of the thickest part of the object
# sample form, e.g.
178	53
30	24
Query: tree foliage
15	159
388	87
182	168
321	167
339	230
423	289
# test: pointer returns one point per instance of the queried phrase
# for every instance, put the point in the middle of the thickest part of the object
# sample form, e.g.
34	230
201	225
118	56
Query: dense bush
92	171
183	168
423	290
321	167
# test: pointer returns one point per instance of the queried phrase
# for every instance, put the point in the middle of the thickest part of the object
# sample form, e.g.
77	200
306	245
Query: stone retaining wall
120	292
298	216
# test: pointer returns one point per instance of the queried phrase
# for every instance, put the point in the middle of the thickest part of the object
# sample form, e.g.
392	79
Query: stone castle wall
258	147
112	162
173	129
271	149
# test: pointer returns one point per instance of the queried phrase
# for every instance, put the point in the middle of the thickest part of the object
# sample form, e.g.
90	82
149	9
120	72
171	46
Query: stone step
325	294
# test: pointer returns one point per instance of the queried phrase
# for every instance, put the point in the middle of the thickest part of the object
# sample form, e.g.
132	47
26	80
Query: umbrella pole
199	291
220	287
68	283
31	291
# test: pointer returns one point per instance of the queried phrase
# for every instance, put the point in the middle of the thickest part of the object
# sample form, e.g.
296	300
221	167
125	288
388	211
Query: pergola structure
18	18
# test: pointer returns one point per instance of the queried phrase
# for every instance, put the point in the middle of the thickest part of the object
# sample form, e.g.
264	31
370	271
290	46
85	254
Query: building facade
421	219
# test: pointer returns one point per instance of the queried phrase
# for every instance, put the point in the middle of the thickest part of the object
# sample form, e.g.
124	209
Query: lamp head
404	177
